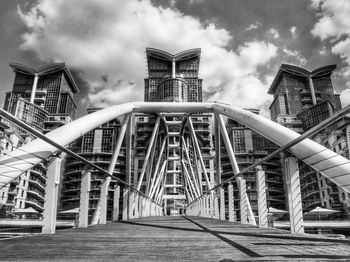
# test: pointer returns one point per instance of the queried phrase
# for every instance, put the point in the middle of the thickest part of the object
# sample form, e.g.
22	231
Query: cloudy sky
243	43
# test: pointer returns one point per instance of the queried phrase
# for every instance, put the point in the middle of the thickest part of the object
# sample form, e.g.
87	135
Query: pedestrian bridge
173	239
206	232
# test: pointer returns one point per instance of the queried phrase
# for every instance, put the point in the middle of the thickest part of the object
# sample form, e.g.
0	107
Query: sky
243	43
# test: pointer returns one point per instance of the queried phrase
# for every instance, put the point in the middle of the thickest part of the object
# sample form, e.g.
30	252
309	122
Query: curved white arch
332	165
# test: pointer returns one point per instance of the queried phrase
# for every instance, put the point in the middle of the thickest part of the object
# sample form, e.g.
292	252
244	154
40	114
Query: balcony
35	204
37	183
36	193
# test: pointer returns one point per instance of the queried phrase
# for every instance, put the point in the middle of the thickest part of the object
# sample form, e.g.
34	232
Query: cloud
274	33
295	55
334	26
254	26
293	31
106	40
334	18
323	50
345	97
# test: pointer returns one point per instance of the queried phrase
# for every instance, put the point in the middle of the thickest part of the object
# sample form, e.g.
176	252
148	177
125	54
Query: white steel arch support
329	163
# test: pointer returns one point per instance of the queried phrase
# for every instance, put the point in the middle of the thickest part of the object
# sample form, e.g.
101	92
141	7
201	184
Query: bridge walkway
173	239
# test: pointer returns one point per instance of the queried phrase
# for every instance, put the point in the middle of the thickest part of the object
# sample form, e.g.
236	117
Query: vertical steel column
116	198
222	203
294	195
261	194
34	86
155	130
312	90
231	204
51	195
125	203
84	199
195	140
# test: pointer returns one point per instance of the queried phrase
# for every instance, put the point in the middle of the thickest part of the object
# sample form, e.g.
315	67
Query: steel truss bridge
148	203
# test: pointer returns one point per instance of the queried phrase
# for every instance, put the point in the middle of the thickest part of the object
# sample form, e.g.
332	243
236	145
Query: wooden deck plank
172	239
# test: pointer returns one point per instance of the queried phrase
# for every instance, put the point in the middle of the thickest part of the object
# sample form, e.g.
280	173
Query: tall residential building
43	99
96	146
250	147
172	78
302	99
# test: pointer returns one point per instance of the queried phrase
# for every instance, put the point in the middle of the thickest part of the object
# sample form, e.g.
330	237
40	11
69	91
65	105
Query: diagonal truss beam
194	137
156	174
159	179
198	188
148	153
101	208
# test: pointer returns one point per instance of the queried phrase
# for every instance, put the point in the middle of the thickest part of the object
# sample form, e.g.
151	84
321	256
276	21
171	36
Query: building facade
303	99
173	78
43	99
250	147
96	146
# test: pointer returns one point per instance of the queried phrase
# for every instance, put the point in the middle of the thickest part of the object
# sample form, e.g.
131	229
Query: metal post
294	195
51	195
243	200
131	204
136	206
231	204
155	130
125	203
116	203
216	206
84	199
222	203
261	195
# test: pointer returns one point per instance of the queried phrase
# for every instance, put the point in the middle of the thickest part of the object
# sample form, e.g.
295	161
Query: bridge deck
172	239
